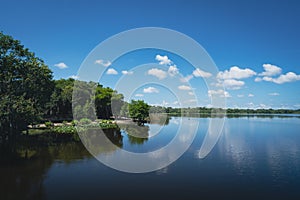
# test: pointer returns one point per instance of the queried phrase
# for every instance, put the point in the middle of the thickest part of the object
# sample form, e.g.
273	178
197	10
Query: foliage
25	85
64	129
125	110
230	111
60	105
85	121
138	110
49	124
74	122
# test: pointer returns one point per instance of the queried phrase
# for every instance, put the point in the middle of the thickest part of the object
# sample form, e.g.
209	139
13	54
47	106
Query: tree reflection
99	141
162	119
25	162
136	134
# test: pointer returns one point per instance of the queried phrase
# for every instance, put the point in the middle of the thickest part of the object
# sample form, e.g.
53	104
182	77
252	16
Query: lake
255	158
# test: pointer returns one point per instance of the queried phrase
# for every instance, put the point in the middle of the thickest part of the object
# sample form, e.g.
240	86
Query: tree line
209	111
29	94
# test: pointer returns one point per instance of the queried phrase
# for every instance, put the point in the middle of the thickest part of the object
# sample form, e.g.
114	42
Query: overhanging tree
25	85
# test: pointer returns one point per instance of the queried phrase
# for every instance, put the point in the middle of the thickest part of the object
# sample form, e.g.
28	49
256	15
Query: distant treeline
209	111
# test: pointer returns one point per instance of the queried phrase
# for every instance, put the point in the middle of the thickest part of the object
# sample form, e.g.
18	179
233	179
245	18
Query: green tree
103	102
138	110
125	109
60	106
83	100
116	104
25	86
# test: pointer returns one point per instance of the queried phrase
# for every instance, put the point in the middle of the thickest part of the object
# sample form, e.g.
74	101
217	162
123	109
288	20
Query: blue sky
255	44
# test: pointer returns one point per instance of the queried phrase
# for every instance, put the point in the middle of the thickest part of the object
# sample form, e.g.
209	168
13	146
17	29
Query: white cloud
139	95
236	73
111	71
74	77
240	95
263	106
258	79
184	87
233	84
173	70
200	73
175	102
250	95
270	70
226	94
250	104
160	74
103	63
163	60
151	90
61	65
191	101
274	94
220	93
127	72
186	79
191	93
283	78
165	103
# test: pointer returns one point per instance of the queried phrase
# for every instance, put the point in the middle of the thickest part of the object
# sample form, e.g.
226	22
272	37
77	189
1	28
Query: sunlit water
255	158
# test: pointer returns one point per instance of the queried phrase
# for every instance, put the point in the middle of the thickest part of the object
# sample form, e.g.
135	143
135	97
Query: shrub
49	124
85	121
74	122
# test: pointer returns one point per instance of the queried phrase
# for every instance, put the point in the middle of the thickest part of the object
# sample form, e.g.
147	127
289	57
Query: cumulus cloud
250	95
184	87
283	78
233	84
220	93
151	90
186	79
74	77
191	101
191	93
236	73
240	95
274	94
111	71
173	70
139	95
160	74
258	79
61	65
270	70
127	72
163	60
103	62
200	73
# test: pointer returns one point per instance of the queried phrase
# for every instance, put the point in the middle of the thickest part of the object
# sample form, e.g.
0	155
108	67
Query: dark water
255	158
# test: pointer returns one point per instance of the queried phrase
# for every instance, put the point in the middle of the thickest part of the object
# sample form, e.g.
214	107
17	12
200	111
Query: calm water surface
254	158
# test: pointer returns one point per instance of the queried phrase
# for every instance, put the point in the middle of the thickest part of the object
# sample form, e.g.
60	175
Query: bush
74	122
49	124
85	121
64	130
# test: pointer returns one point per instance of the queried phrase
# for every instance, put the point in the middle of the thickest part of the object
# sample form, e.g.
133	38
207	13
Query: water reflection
255	156
235	146
99	141
24	164
136	134
262	148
